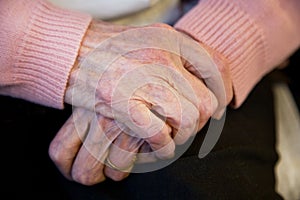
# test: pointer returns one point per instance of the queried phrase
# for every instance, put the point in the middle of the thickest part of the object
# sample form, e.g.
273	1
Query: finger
122	155
89	163
151	128
168	94
179	113
146	154
208	107
205	101
68	140
176	97
197	93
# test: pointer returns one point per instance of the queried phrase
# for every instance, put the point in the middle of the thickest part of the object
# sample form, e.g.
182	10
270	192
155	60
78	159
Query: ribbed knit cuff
47	53
223	27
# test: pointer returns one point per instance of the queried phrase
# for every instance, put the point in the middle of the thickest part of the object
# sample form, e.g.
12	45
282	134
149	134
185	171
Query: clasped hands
136	93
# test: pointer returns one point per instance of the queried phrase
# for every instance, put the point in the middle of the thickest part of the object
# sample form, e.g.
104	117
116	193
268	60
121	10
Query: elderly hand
163	92
81	148
139	78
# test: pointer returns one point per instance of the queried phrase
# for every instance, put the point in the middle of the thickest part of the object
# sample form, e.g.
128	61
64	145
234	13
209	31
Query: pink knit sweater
39	43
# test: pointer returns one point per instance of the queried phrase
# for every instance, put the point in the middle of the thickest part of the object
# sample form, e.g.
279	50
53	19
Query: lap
241	165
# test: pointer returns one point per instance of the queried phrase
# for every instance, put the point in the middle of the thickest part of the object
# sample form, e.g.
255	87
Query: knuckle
205	113
183	135
159	139
155	140
191	119
207	109
188	126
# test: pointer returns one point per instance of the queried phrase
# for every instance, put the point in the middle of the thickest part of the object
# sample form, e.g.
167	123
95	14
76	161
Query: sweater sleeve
38	47
253	36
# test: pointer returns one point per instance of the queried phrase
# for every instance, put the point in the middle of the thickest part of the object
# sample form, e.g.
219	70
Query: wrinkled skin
80	148
146	100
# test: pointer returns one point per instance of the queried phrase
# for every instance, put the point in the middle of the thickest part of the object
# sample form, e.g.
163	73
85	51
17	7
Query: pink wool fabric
253	36
39	43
